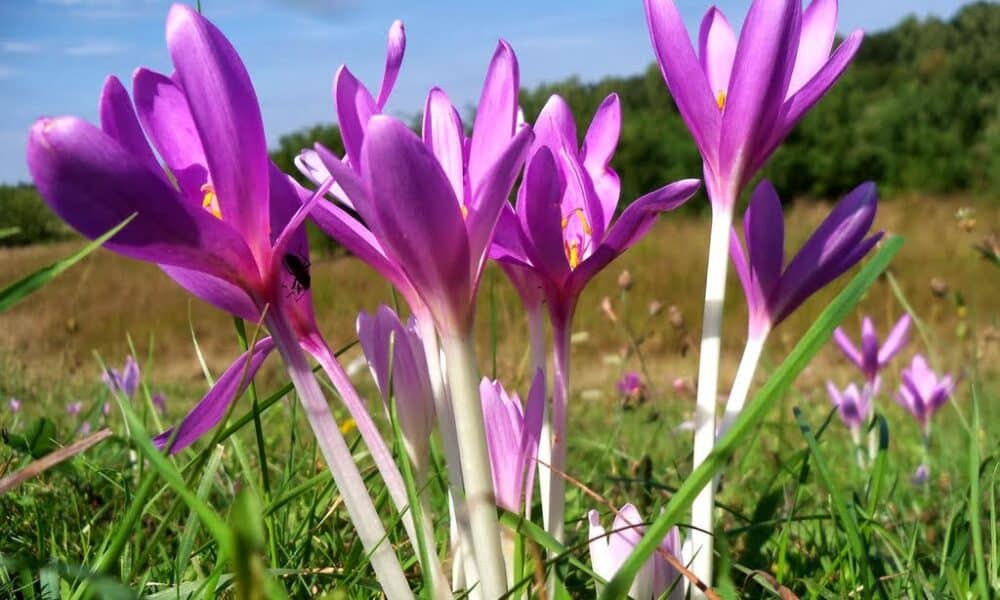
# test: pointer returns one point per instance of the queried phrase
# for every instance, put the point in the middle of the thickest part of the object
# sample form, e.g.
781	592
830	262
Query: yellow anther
582	217
465	211
210	202
573	254
348	426
720	100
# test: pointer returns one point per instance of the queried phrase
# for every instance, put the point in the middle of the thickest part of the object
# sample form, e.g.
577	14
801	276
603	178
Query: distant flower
871	358
853	404
922	391
85	428
608	550
106	409
773	290
14	405
73	408
740	96
124	382
160	403
682	385
631	386
921	475
512	435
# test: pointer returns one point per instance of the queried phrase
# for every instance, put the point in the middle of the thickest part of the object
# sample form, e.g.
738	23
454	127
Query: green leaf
752	416
19	290
38	439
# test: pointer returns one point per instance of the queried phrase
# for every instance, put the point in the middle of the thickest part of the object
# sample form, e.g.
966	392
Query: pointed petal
216	291
819	28
869	347
442	132
393	60
118	120
631	226
765	56
225	110
491	195
717	49
540	215
213	407
165	115
496	113
417	210
684	76
373	335
93	184
848	348
764	228
555	126
598	149
355	106
895	341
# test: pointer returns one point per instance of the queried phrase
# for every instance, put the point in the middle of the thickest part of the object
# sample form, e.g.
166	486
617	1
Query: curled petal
225	110
598	148
393	60
355	106
213	407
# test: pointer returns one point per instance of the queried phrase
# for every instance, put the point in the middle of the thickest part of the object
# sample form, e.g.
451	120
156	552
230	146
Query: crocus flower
921	475
741	96
124	382
14	405
73	408
773	290
160	403
608	550
853	404
404	370
512	435
631	386
922	391
872	358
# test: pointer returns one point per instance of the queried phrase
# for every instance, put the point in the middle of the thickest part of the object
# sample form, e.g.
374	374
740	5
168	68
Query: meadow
118	524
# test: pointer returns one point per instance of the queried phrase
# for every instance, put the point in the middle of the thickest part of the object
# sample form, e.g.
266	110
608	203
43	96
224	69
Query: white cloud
95	48
18	47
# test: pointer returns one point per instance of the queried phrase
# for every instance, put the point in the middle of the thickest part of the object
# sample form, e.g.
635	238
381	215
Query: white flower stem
536	331
708	381
381	455
463	382
741	384
557	487
464	570
338	458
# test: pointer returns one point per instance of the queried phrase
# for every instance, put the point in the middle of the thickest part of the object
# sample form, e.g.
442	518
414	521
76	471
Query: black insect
298	268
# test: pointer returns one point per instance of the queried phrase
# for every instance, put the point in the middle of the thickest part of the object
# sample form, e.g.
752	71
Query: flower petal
819	28
442	132
118	120
213	407
631	226
847	347
895	341
598	148
225	111
869	347
417	211
717	50
216	291
555	126
355	106
531	431
393	60
496	113
684	75
765	56
764	228
539	211
93	184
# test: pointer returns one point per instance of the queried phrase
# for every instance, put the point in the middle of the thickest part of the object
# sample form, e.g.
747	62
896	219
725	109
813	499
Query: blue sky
55	54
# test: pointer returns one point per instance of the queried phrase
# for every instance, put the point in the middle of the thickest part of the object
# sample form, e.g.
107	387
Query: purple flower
73	408
631	385
405	372
85	428
774	291
512	436
159	403
443	192
563	226
125	381
740	97
608	550
853	404
922	391
14	405
871	358
921	475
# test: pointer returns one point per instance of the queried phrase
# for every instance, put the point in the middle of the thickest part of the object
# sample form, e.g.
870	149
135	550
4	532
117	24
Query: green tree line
917	112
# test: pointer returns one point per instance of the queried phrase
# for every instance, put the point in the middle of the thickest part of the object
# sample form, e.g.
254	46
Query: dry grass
96	305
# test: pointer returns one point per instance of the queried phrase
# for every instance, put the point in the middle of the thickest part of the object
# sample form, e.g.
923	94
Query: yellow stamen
465	211
582	217
720	100
573	254
210	202
348	426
